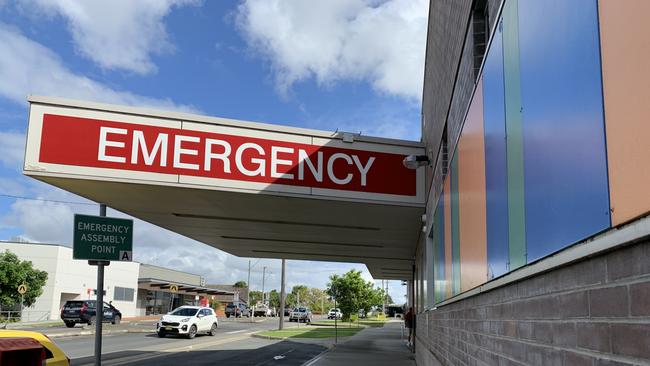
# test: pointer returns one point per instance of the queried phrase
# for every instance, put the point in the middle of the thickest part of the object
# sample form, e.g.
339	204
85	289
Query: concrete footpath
373	346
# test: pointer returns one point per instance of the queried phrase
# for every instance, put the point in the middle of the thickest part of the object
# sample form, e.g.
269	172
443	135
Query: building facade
134	288
535	121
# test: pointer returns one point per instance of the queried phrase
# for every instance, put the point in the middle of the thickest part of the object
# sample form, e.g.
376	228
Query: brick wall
592	312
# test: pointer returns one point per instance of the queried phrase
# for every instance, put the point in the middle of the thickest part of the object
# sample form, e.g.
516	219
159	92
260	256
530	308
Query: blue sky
351	65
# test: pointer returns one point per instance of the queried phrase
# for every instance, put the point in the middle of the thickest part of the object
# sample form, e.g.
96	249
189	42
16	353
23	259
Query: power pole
248	285
263	277
383	301
282	293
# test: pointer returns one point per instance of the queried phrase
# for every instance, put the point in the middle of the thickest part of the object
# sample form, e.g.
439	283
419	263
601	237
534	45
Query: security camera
416	161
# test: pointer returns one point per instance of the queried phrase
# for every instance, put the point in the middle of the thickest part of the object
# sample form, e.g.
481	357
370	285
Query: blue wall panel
566	189
496	169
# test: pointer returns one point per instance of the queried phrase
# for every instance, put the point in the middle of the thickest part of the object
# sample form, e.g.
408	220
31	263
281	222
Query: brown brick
640	299
631	340
594	336
606	362
543	332
525	330
577	359
573	305
511	349
608	302
564	334
543	356
629	262
510	329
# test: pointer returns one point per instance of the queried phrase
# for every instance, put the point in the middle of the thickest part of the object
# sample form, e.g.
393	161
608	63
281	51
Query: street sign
102	238
22	289
173	288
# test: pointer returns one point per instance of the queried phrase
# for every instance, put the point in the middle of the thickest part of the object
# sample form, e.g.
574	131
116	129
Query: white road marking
237	331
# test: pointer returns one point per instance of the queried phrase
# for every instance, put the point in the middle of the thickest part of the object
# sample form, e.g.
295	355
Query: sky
351	65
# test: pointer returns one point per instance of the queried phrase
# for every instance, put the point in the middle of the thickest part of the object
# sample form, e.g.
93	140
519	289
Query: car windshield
230	306
73	304
185	312
301	310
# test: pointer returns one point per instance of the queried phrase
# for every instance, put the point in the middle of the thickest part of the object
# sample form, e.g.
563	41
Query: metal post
336	329
383	301
263	277
248	284
99	307
282	293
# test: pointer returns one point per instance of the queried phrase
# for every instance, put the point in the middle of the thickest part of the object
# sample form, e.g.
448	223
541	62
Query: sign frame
113	238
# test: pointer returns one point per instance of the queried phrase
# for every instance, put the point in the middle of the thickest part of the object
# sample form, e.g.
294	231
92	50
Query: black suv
83	311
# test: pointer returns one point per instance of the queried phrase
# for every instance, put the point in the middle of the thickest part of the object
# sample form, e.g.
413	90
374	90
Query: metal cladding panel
496	169
565	167
471	188
514	142
455	230
439	254
448	242
625	51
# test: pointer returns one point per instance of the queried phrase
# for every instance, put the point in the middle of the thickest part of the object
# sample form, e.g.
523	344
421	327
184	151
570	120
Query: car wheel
70	324
116	320
192	333
227	315
213	329
91	321
161	334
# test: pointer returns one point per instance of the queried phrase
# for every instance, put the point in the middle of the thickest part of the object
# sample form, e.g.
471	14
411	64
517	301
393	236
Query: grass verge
309	333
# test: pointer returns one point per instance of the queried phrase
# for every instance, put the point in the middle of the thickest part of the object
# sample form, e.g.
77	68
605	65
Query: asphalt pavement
137	344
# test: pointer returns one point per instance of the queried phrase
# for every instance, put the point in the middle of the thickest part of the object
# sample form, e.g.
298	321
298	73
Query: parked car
334	313
54	356
236	310
287	311
300	314
261	310
188	321
83	311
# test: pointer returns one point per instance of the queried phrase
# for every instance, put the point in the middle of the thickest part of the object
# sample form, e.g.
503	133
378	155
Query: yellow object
55	356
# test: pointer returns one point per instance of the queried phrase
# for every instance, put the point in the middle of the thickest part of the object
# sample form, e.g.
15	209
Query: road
233	345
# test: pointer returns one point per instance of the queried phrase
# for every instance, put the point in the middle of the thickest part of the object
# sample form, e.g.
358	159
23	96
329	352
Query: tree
352	293
274	299
240	284
13	273
255	296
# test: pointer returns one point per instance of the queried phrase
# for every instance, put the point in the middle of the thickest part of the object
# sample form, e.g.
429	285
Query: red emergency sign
127	146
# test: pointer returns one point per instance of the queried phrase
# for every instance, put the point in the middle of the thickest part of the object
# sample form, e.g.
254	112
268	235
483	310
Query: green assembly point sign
102	238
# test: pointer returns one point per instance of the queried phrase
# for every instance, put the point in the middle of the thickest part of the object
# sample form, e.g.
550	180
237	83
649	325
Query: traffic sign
22	289
173	288
102	238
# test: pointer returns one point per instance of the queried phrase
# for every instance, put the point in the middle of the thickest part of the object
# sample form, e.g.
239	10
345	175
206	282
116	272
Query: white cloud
117	34
27	67
383	43
12	147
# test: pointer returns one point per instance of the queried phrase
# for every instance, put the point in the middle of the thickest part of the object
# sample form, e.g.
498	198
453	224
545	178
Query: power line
47	200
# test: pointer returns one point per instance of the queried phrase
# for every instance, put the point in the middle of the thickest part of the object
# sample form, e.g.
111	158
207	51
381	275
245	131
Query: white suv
188	321
334	313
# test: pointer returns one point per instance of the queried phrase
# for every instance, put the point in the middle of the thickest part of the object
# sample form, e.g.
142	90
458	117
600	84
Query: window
123	294
480	32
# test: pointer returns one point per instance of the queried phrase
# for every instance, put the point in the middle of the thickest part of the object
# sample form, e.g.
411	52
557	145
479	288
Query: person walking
409	322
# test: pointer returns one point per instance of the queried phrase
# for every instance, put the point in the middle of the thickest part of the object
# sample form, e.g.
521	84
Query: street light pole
282	294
